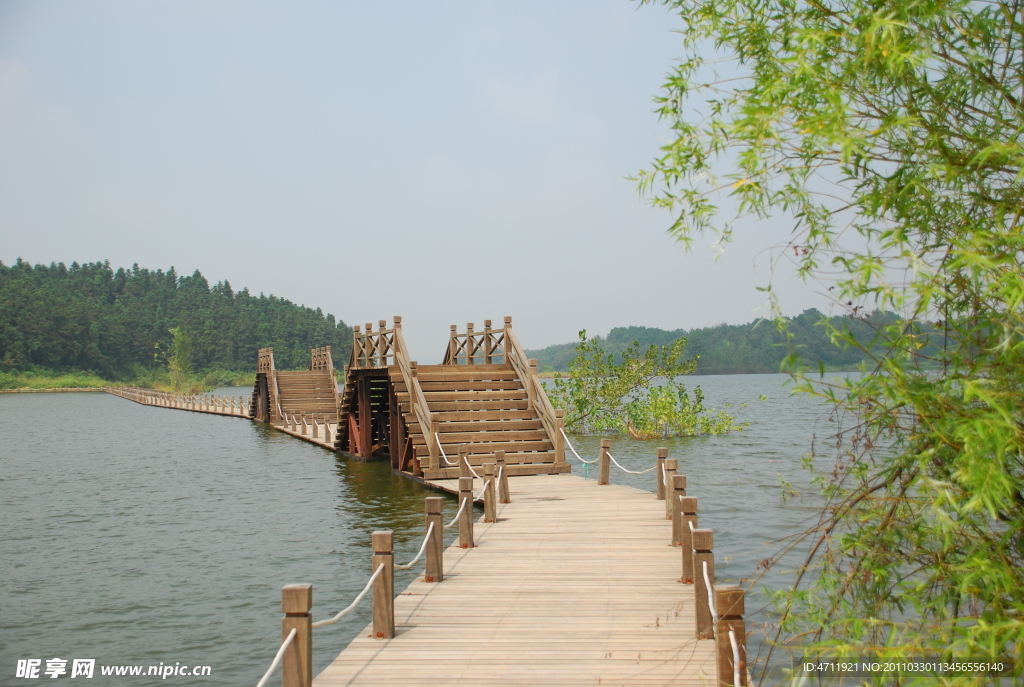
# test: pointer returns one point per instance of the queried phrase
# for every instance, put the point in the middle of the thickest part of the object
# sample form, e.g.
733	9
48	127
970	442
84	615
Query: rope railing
632	472
707	585
582	460
352	606
426	539
457	514
443	454
277	658
735	659
482	490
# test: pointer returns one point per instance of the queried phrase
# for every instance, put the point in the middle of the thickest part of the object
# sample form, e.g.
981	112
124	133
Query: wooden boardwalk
575	584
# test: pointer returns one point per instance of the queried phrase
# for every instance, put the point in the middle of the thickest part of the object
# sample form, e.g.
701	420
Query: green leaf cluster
634	392
892	134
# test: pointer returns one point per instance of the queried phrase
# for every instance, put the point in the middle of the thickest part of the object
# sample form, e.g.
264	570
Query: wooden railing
472	348
237	406
417	400
537	397
265	364
373	349
320	359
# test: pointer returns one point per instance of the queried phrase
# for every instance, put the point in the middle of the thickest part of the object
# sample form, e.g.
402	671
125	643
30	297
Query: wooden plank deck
576	584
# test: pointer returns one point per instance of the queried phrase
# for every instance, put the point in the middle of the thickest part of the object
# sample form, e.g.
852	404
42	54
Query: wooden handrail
473	346
416	398
526	369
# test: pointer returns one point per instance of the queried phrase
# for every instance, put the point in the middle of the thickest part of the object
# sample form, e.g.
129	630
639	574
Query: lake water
135	535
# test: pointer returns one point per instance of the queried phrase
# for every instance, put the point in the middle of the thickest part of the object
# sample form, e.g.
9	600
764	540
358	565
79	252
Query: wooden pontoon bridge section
483	401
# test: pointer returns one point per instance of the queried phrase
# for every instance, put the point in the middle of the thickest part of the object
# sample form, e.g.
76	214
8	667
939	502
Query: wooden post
453	344
490	505
559	437
469	344
488	347
603	463
466	519
678	491
314	427
435	546
464	470
671	465
382	343
729	604
660	472
687	516
499	460
435	451
703	543
384	585
365	415
297	662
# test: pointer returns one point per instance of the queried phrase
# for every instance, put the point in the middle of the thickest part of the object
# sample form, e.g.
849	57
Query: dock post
559	437
678	491
729	604
464	470
671	465
703	543
490	507
466	519
297	662
659	472
603	464
499	460
435	547
687	516
384	585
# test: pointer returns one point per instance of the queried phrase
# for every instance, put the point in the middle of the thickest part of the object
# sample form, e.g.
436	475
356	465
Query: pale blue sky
446	161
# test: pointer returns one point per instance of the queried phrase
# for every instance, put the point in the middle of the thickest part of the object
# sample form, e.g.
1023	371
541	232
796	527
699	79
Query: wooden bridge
569	581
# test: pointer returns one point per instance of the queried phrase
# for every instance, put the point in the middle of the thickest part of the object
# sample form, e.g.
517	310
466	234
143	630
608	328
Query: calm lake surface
139	535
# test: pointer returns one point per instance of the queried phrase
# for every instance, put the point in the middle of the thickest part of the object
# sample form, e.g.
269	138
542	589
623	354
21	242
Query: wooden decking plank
574	585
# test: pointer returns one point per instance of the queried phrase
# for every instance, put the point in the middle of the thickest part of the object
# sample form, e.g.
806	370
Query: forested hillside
115	323
755	347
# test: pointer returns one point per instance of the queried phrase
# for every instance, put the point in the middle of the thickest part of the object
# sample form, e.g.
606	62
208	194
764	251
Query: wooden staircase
438	413
309	394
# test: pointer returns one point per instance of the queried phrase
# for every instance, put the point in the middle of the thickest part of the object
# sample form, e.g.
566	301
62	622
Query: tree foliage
117	323
755	347
891	132
638	395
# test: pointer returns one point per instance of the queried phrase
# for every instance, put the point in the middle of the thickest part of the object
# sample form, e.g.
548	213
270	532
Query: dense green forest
91	318
756	347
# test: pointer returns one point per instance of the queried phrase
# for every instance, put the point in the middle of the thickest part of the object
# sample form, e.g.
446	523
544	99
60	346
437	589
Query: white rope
443	454
457	514
277	659
735	659
482	489
588	462
422	549
362	595
707	585
642	472
500	471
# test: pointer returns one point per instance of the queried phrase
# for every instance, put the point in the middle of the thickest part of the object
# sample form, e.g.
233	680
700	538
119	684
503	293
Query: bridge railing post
488	343
678	491
297	662
499	461
703	559
464	470
559	437
466	518
688	517
384	585
659	472
490	505
435	547
603	462
671	465
729	604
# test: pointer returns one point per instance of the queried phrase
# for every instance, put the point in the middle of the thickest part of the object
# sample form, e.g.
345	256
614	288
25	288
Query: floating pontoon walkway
575	584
